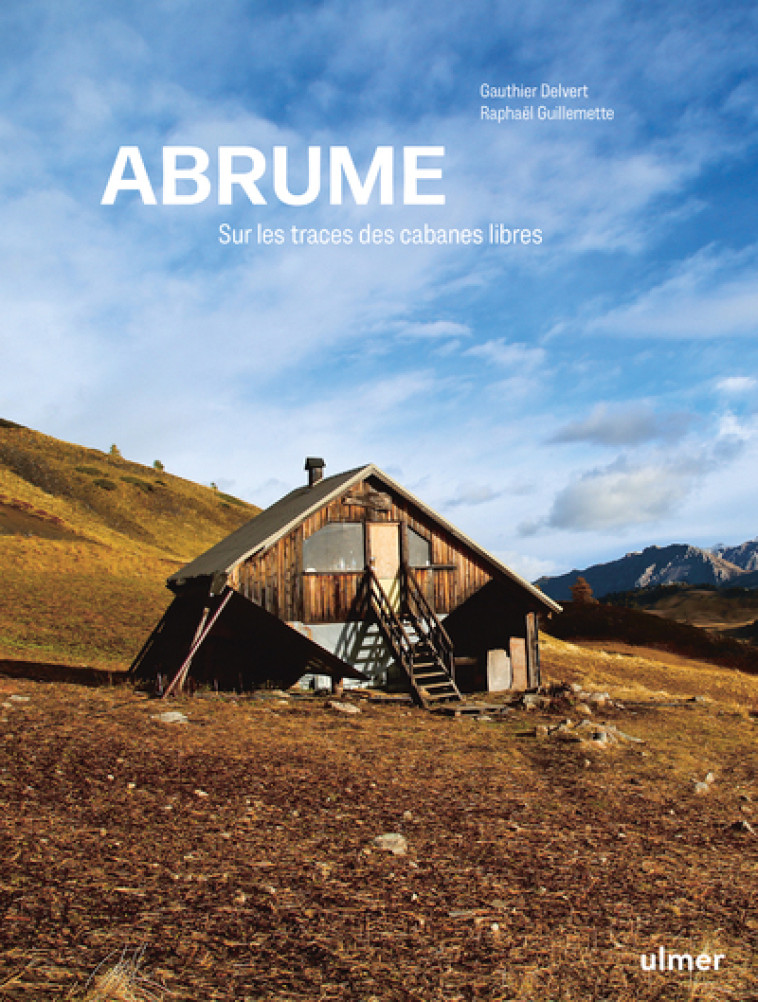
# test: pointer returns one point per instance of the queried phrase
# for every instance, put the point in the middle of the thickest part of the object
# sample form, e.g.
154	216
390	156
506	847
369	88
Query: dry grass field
232	857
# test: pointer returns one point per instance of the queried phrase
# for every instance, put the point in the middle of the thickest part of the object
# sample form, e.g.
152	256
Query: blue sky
562	403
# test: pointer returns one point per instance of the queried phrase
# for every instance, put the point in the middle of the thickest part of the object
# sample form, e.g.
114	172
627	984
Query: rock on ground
334	704
170	717
392	842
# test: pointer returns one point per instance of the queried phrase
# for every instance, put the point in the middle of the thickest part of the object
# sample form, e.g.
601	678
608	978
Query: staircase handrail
388	620
423	614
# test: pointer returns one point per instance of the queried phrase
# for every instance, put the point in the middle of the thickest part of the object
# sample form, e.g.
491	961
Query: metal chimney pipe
315	468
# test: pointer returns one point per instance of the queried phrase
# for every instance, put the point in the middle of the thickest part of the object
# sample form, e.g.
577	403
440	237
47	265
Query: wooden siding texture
275	579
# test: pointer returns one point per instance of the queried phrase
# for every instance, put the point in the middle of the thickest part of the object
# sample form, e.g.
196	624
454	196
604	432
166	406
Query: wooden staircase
417	639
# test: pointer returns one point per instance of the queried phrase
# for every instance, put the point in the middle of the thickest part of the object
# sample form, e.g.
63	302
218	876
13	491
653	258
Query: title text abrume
185	179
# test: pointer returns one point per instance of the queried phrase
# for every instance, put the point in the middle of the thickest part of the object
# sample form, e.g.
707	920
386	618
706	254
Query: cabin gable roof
288	512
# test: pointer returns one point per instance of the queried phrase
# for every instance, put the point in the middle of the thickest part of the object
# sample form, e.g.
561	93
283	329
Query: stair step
438	685
449	697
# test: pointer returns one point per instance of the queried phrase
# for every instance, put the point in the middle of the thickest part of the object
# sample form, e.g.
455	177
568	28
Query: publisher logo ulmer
667	960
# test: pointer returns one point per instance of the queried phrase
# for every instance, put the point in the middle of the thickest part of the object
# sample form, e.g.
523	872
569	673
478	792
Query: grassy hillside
87	540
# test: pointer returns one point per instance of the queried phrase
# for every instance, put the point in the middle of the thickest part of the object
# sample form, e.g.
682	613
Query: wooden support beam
201	633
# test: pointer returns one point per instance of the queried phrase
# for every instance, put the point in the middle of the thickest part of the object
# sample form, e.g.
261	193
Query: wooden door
384	557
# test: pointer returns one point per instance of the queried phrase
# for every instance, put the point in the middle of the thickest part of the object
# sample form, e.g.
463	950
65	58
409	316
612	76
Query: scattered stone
201	793
591	733
483	718
710	777
541	731
392	842
533	701
702	788
583	708
334	704
170	717
20	699
407	815
599	698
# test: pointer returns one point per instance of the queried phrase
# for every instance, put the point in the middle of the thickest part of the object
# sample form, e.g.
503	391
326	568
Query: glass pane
338	546
419	549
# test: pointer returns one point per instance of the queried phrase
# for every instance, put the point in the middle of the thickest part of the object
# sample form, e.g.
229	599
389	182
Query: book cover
505	252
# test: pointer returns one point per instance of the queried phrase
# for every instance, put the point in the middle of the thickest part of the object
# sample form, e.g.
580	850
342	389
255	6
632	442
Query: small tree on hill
158	465
115	451
581	592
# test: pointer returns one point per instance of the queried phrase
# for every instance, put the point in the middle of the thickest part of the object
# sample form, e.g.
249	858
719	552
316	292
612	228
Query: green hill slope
87	540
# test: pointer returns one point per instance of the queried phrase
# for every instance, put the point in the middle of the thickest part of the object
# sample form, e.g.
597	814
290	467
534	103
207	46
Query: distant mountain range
659	565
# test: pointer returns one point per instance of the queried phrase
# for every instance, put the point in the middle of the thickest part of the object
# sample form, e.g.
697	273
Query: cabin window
419	549
338	546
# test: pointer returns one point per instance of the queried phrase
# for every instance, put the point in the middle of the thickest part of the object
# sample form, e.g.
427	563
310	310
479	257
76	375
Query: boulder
392	842
170	717
335	704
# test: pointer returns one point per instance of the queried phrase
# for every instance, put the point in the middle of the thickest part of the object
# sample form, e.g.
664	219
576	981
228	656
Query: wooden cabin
353	578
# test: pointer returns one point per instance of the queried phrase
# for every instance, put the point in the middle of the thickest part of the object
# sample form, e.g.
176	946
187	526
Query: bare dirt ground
237	849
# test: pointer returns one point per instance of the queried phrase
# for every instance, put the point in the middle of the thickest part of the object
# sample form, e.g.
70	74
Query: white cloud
711	294
507	355
473	494
630	424
619	496
732	386
733	430
436	329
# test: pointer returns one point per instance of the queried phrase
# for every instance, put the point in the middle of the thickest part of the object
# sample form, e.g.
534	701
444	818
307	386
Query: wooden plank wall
276	580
